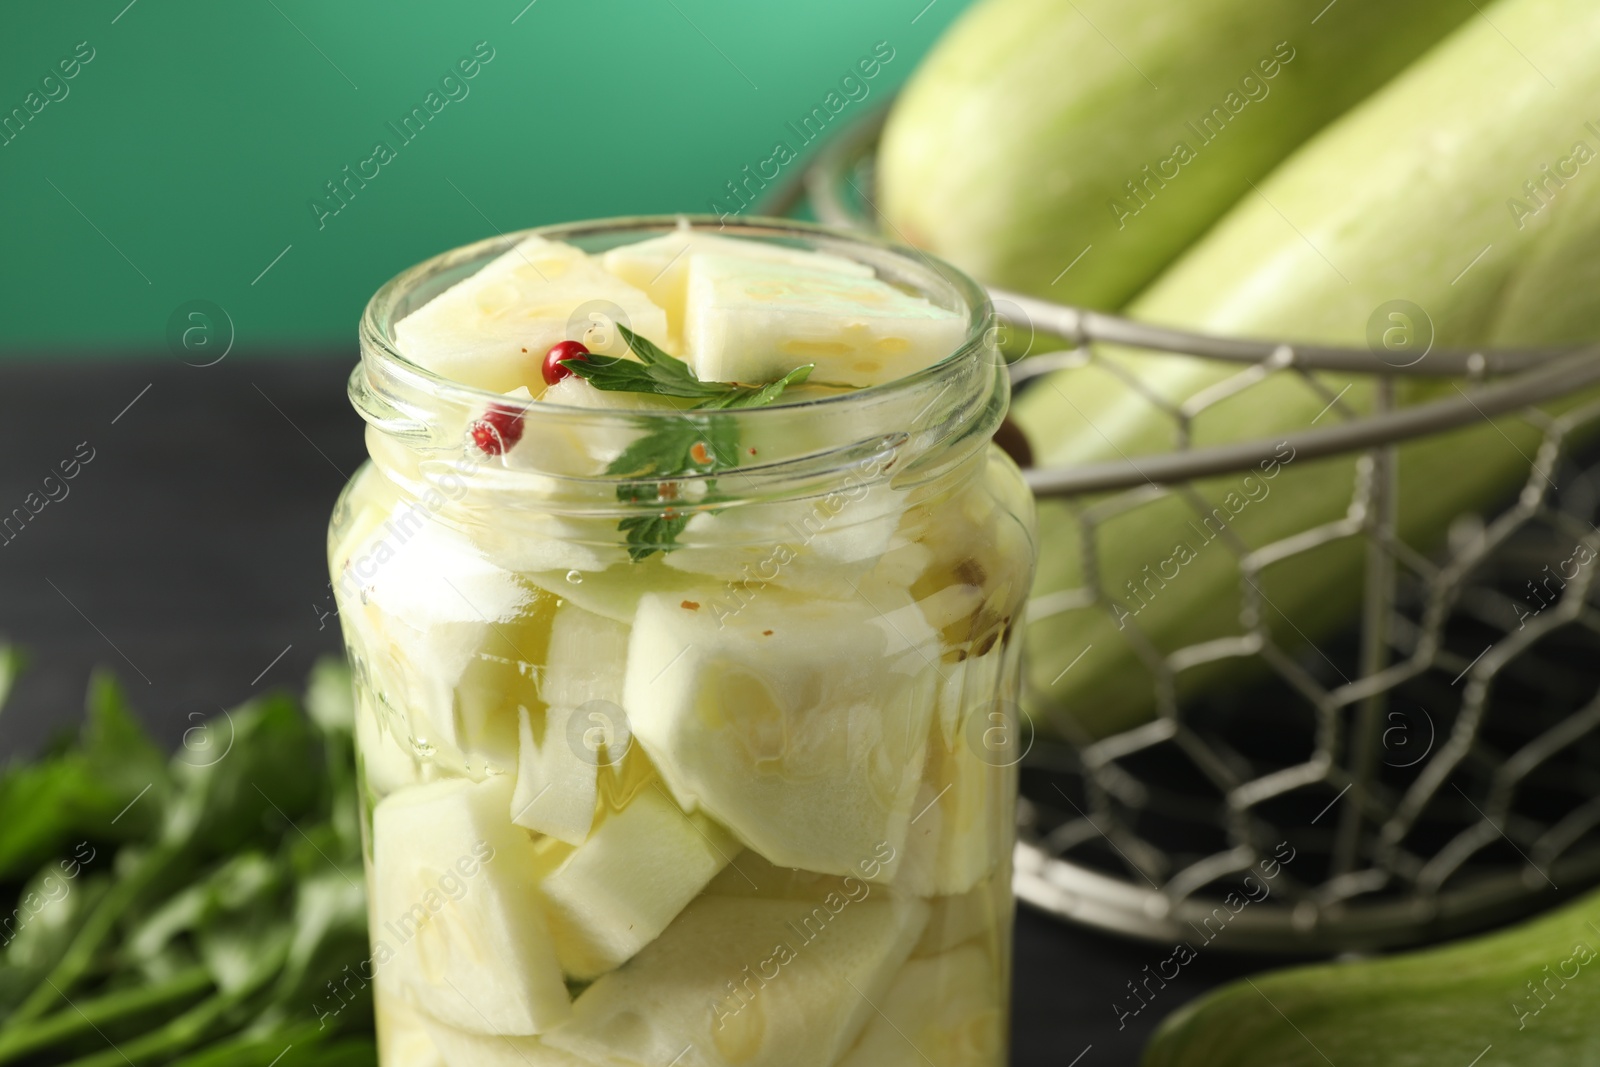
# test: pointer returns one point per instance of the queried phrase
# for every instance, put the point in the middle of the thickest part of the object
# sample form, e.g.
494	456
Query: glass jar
718	770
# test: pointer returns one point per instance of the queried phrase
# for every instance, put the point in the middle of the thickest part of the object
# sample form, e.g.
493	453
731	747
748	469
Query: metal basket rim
1526	378
1524	390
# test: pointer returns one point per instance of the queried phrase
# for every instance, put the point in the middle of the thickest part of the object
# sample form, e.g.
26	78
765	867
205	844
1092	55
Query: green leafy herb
80	791
689	446
655	371
197	912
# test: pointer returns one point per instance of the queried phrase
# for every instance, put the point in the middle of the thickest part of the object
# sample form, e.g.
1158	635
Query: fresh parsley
689	445
202	910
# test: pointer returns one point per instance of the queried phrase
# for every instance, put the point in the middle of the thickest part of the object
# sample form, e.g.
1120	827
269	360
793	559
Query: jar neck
907	431
420	439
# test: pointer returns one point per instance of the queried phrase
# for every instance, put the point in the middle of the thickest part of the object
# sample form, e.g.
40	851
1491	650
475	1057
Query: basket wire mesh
1442	771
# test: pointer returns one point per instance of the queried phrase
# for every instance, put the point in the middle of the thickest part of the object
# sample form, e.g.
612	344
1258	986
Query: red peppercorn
498	430
552	369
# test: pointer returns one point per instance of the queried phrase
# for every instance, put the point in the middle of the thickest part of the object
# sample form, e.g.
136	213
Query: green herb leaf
647	350
684	447
653	372
194	911
772	390
648	534
616	375
81	791
667	451
244	776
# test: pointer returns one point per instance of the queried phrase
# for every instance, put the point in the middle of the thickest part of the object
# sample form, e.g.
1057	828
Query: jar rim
378	319
929	419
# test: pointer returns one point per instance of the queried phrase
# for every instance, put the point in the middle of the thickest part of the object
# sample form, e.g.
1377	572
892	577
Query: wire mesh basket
1439	769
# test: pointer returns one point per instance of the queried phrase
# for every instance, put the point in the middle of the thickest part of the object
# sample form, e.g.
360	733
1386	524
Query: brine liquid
792	847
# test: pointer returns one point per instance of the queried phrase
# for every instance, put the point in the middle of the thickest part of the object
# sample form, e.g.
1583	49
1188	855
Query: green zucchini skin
1012	148
1404	198
1531	991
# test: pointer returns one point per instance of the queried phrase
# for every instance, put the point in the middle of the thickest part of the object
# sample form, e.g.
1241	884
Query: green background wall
184	156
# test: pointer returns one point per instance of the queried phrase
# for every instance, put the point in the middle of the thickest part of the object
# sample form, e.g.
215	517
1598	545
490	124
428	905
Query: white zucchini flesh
797	723
492	329
660	266
752	321
454	909
615	893
944	1010
754	983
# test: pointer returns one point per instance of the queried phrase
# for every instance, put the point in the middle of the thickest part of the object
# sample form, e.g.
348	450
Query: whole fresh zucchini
1038	129
1461	203
1526	995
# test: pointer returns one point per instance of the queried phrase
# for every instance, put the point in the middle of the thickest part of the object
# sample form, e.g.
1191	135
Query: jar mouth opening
932	278
424	427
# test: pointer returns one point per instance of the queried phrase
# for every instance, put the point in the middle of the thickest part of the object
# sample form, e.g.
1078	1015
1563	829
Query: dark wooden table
187	555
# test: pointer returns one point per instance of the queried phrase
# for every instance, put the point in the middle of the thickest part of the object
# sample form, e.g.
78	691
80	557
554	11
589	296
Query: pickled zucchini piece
660	265
460	1048
556	790
501	677
563	748
613	590
798	723
368	502
553	443
750	875
388	762
491	330
516	523
752	321
453	919
964	806
967	688
959	826
587	652
615	893
918	873
943	1010
447	638
975	545
748	982
823	545
980	913
541	546
904	562
403	1039
951	610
